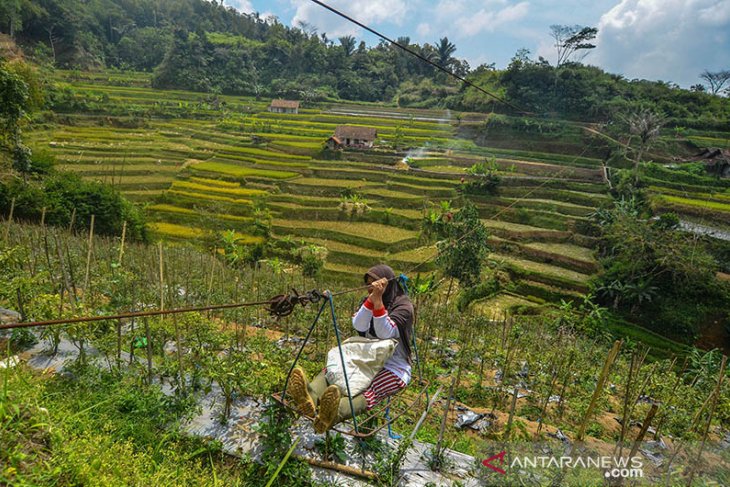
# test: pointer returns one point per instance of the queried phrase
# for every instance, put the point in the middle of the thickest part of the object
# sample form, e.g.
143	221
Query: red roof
356	132
284	104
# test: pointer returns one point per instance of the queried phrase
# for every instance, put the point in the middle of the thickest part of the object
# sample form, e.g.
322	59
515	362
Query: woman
387	312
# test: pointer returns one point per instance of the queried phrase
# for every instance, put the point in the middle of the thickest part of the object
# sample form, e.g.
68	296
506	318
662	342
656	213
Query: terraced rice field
200	168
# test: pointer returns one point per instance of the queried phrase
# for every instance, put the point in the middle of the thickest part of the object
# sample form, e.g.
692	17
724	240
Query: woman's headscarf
396	302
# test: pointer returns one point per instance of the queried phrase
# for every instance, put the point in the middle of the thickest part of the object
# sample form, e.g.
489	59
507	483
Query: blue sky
669	40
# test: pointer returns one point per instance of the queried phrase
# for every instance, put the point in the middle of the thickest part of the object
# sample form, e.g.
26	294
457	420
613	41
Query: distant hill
205	46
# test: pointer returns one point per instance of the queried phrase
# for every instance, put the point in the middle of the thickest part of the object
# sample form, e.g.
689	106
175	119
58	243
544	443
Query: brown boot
329	405
297	390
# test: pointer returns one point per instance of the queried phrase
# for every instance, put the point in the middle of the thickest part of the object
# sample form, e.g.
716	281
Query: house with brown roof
352	136
284	106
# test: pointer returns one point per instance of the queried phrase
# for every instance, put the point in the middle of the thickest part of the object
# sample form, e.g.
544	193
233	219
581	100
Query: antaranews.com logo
613	467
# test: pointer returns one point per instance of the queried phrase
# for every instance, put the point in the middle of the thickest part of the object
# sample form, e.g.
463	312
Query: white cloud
423	29
241	5
369	12
487	20
671	40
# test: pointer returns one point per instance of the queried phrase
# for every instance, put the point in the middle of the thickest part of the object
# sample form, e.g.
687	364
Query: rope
136	314
279	306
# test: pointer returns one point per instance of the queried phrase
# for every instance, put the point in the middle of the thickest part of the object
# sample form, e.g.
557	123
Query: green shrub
64	196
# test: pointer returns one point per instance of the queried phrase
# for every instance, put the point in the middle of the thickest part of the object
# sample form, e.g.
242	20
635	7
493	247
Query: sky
668	40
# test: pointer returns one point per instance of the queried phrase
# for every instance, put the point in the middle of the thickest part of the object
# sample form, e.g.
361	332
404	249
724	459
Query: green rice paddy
194	164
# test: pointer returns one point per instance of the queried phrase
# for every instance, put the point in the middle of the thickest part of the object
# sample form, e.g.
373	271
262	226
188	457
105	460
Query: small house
284	106
352	137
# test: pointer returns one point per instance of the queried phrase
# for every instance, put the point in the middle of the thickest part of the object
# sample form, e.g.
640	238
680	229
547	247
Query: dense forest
208	47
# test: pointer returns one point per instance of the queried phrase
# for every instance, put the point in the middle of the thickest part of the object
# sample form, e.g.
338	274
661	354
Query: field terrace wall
202	162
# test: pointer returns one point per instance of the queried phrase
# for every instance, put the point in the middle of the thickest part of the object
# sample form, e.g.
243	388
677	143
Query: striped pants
384	384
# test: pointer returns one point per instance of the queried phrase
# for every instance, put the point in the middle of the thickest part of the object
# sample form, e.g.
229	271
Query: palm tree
348	45
445	49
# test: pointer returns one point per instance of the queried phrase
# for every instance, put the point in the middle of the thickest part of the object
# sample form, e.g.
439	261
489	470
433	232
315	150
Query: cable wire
422	57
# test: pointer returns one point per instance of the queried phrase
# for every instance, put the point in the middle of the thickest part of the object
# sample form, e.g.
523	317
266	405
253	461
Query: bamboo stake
119	343
10	219
88	255
121	246
644	428
564	386
43	218
625	419
131	348
73	219
447	407
338	467
149	350
513	406
425	413
716	396
599	387
162	279
178	349
543	410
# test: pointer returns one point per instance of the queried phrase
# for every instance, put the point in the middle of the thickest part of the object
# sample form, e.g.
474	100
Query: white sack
364	358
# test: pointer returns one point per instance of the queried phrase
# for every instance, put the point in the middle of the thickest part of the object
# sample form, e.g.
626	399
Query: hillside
205	164
191	196
117	408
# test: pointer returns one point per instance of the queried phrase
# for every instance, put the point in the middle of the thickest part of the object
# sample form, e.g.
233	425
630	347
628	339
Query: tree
657	275
348	45
445	50
15	102
464	246
716	79
645	124
569	39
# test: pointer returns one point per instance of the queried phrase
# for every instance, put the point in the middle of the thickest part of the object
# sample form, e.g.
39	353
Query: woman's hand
376	294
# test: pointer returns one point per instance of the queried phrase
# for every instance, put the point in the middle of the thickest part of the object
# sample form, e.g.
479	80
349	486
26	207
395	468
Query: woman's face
369	281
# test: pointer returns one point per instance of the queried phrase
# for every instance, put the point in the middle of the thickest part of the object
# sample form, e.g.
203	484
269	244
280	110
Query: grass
368	231
541	268
225	190
215	182
176	231
331	183
500	304
710	205
415	255
210	197
515	227
98	429
568	250
242	172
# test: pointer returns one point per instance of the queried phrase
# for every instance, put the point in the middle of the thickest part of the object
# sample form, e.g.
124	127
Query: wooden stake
425	413
447	407
338	467
599	387
149	350
644	428
625	419
121	246
162	279
88	255
513	406
119	343
716	396
10	219
73	219
43	218
178	348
